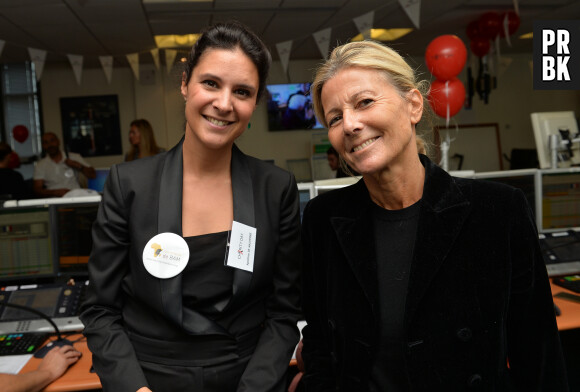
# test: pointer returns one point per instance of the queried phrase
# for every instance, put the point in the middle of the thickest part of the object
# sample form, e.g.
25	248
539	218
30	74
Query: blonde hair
371	55
147	144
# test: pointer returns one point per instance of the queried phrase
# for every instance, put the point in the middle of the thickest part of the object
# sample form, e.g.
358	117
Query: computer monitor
545	124
72	225
322	186
27	251
560	199
528	180
98	183
305	193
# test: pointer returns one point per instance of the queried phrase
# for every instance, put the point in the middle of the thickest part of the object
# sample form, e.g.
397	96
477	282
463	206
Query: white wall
157	98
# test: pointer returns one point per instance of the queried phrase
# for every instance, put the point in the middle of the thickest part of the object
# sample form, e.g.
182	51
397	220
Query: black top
12	185
395	232
207	286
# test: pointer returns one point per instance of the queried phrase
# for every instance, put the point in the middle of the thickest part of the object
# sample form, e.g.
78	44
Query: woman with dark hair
195	266
415	280
142	140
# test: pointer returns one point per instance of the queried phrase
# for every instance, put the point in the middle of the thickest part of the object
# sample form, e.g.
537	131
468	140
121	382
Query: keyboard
571	282
21	343
561	251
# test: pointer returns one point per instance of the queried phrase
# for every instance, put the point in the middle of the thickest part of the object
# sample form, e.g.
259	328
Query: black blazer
478	293
126	305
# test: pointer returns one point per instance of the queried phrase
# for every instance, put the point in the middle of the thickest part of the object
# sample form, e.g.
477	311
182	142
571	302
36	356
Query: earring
249	125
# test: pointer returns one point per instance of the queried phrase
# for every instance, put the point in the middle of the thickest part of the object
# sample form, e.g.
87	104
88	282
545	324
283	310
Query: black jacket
478	292
126	305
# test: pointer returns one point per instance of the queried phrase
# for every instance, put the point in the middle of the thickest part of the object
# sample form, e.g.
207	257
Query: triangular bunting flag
76	62
37	56
107	64
1	46
169	58
155	54
322	39
134	63
284	53
364	24
413	10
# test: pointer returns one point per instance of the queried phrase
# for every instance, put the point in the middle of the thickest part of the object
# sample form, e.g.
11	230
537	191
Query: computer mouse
41	353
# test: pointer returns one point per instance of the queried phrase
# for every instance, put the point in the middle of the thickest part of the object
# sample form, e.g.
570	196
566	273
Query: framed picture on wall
91	125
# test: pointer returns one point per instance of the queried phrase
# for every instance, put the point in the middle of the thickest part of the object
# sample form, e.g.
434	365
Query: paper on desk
12	364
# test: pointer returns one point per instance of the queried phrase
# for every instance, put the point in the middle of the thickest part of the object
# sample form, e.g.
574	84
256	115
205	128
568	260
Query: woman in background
196	258
415	280
142	141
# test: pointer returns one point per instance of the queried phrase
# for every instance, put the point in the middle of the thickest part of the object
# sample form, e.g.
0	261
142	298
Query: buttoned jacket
478	295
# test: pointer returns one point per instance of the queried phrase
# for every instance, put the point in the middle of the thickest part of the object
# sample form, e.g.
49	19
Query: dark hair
5	150
232	35
332	151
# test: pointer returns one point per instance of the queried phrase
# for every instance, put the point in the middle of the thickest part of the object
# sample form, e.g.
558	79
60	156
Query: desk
77	377
570	317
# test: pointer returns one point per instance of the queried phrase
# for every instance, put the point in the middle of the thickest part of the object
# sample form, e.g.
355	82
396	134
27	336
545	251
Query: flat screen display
26	244
290	107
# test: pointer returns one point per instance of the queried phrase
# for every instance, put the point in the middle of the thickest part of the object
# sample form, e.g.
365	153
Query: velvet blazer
127	306
478	294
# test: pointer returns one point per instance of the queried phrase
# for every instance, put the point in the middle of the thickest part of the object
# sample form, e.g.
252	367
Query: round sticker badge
165	255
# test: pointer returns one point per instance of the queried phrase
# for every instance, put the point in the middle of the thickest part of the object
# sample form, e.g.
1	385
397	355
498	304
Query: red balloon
479	46
20	133
472	30
447	93
445	56
490	24
513	23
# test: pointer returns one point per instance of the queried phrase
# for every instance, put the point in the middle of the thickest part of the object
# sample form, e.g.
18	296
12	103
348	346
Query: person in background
12	185
142	141
226	319
58	172
336	164
52	366
415	280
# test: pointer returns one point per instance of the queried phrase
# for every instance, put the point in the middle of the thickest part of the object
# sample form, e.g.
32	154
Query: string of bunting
364	24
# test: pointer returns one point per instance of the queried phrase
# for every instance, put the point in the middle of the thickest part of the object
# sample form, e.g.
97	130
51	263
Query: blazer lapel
444	209
356	239
243	194
169	220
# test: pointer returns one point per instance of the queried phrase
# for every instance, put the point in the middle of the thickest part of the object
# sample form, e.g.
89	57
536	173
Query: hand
58	360
73	164
59	192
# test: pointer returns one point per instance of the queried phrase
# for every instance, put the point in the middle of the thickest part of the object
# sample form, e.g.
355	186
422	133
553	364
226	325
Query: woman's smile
364	145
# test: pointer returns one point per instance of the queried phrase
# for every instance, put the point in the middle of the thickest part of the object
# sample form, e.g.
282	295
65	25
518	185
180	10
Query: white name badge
165	255
242	247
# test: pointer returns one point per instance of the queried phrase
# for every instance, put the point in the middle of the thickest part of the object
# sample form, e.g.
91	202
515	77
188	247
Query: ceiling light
384	34
175	41
527	35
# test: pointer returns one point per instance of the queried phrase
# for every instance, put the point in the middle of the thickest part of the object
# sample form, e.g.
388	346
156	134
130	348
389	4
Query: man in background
57	173
12	185
334	163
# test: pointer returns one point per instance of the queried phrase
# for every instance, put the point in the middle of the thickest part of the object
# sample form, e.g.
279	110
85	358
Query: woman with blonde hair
413	279
142	141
